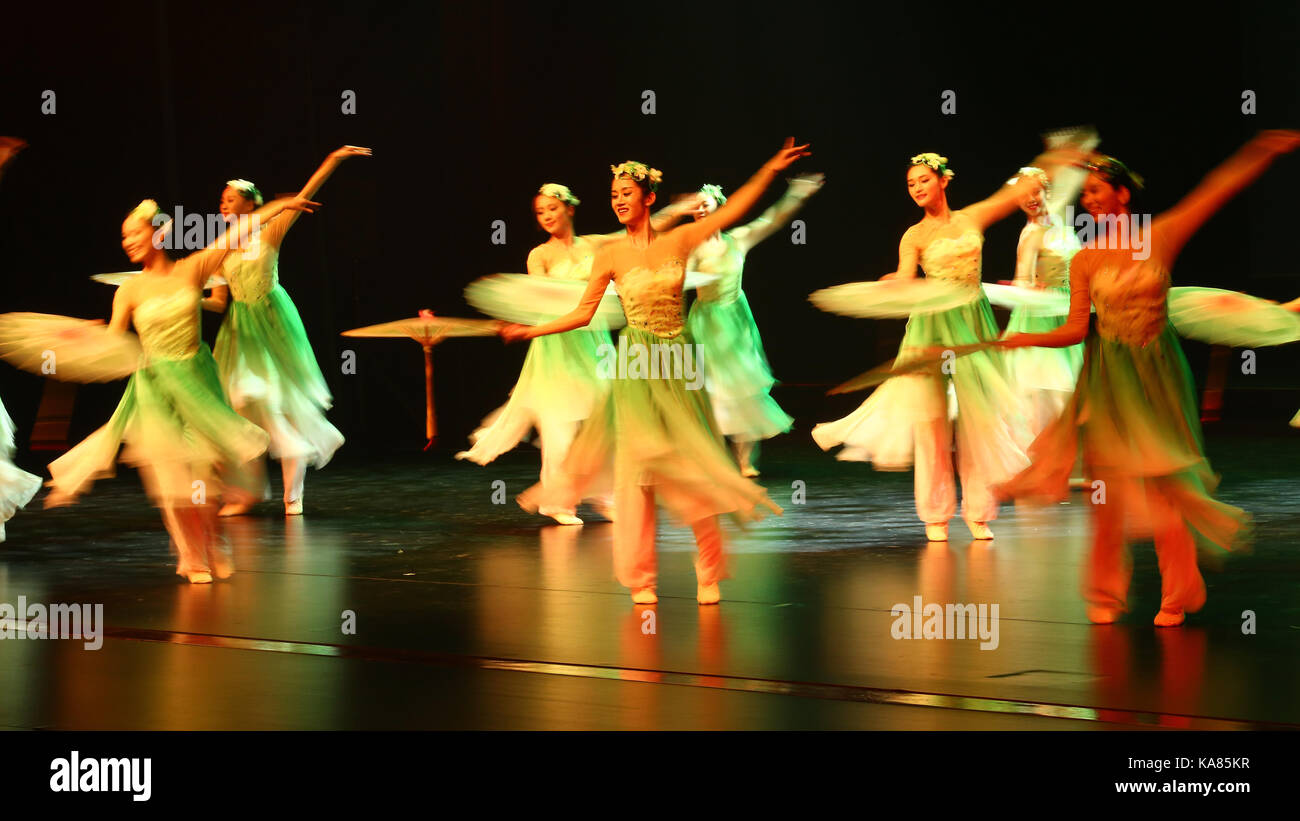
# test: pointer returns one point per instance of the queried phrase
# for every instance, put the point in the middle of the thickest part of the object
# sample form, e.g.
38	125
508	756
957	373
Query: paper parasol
892	298
428	330
1231	318
916	362
66	348
1034	301
121	277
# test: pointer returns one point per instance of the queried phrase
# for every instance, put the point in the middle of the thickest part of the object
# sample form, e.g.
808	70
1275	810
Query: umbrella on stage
429	330
121	277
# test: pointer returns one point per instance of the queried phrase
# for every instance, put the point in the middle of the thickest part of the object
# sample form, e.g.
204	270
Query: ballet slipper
1099	614
1169	618
749	471
566	518
936	533
645	595
708	593
980	531
199	577
234	509
293	508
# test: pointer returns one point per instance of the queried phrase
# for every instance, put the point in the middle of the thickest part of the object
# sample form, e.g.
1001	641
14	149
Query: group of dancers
1014	415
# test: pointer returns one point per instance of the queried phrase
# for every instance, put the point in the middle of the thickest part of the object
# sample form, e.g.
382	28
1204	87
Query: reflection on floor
470	613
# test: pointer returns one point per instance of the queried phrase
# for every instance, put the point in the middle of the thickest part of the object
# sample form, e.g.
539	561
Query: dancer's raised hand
1278	141
350	151
9	146
514	332
787	155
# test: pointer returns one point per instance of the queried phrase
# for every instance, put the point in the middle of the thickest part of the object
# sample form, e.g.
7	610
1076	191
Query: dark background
470	107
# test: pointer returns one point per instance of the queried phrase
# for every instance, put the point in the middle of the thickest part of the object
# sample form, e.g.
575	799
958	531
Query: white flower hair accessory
246	190
1032	172
934	161
714	192
559	192
638	171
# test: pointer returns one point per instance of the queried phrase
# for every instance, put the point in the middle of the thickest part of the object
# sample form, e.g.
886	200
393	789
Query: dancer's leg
710	560
1181	586
634	536
295	476
1109	565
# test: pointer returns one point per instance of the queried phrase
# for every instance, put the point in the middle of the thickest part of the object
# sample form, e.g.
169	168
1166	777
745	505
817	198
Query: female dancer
1044	377
17	486
559	386
1134	409
173	417
266	363
662	433
906	419
736	372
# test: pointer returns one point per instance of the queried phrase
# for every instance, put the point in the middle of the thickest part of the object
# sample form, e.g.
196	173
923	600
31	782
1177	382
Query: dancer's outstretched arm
798	192
692	234
274	232
207	262
1005	201
1220	185
601	274
1076	324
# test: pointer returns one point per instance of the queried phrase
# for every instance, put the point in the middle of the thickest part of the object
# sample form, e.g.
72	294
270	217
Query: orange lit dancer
1134	408
659	426
174	419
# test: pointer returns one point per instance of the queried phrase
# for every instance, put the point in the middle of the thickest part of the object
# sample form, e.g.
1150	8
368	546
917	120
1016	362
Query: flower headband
1113	171
638	171
934	161
559	192
714	192
1030	171
246	190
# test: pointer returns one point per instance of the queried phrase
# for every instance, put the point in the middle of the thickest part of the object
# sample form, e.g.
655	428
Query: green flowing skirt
736	373
991	423
1134	414
271	376
656	431
179	431
559	386
1043	377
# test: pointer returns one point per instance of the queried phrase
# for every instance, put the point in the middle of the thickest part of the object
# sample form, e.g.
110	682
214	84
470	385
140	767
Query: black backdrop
470	107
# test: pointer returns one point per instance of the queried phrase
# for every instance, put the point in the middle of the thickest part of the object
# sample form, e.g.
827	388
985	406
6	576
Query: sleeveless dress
1044	377
558	388
900	417
266	363
657	431
173	417
17	486
736	373
1134	411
